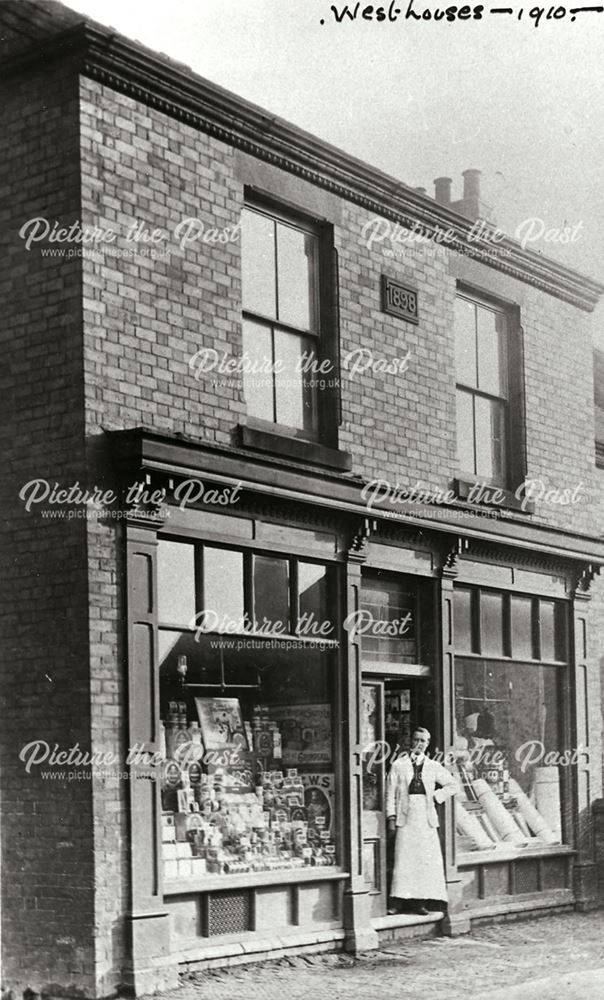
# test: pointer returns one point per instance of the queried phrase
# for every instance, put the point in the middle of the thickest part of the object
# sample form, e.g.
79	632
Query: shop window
312	589
246	706
508	723
222	583
523	646
487	353
491	624
271	591
176	583
463	620
551	631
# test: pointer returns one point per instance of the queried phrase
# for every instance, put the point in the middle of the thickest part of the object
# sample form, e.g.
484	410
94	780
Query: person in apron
415	784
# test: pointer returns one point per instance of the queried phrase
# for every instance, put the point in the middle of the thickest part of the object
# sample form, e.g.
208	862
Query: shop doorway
392	707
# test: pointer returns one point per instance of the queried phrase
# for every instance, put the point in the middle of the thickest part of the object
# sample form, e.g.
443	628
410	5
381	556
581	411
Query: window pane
490	439
297	269
462	621
552	623
465	432
295	397
258	368
176	583
223	583
387	606
491	624
312	589
465	341
522	628
256	734
560	645
491	369
371	734
271	592
258	263
514	708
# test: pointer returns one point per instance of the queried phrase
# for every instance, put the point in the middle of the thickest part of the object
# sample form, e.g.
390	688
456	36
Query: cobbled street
552	958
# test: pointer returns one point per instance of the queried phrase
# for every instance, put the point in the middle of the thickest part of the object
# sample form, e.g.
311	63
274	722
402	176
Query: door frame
373	822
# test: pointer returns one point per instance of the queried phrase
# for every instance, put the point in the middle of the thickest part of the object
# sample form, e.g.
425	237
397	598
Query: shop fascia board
172	88
140	451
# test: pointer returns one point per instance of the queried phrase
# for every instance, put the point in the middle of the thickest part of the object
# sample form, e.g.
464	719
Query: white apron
418	863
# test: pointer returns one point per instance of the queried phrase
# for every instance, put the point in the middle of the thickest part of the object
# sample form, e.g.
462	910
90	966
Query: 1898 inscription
399	300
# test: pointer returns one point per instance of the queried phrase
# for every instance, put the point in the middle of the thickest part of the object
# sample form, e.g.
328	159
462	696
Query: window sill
263	436
469	859
491	495
247	880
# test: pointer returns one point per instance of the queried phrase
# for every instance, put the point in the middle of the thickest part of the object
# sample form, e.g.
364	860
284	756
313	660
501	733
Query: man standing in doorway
411	793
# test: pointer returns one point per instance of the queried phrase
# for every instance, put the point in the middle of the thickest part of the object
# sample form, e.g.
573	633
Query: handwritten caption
345	13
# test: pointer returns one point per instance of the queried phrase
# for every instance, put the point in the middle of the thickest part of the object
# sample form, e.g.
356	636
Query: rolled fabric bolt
534	819
522	823
468	824
547	797
497	813
488	826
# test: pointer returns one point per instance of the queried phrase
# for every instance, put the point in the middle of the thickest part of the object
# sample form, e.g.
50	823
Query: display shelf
250	880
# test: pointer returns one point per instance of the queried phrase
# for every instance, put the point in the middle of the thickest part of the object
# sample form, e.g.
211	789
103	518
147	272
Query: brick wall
47	859
145	319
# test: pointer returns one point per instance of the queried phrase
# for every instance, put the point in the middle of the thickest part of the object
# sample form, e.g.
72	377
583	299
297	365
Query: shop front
280	655
249	717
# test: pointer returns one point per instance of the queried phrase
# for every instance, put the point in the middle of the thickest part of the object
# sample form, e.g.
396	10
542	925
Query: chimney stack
470	204
421	190
471	184
442	190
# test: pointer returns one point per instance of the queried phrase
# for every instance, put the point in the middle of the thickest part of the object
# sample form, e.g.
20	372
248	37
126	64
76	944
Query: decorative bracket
357	551
583	581
450	566
144	505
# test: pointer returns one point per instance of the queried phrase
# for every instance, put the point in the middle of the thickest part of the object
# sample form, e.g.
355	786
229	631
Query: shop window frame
211	883
508	654
248	553
564	692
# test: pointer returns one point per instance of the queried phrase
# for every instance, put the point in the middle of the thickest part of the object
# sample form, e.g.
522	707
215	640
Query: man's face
419	743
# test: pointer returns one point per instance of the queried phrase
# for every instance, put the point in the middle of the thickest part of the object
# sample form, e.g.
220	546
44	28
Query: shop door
374	816
391	708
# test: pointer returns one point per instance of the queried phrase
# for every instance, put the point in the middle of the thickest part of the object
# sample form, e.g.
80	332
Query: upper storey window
281	319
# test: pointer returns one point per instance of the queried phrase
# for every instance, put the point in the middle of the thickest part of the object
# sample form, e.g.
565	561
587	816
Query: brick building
448	362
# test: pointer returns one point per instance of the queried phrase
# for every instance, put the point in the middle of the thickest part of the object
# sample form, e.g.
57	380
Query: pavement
550	958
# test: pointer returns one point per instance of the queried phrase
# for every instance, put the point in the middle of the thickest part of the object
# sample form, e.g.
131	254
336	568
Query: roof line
130	68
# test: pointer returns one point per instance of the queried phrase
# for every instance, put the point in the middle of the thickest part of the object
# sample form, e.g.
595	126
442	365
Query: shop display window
246	706
508	721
